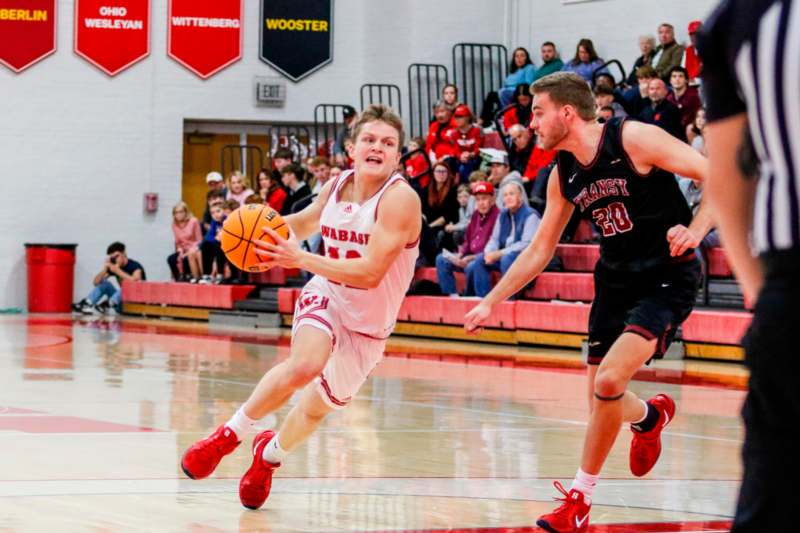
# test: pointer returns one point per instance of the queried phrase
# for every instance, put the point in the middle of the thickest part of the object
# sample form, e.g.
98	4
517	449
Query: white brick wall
78	149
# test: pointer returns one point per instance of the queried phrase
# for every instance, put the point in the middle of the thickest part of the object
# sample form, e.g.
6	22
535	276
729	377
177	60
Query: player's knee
608	383
301	373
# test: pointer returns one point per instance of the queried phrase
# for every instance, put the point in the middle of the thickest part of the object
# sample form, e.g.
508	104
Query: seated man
661	112
499	170
526	156
117	265
299	192
512	232
477	235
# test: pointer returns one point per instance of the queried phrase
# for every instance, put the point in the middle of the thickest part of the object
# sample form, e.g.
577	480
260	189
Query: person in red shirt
692	61
526	156
440	143
521	112
416	167
685	97
468	139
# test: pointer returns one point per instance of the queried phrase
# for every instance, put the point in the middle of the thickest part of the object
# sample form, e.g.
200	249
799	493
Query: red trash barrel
51	273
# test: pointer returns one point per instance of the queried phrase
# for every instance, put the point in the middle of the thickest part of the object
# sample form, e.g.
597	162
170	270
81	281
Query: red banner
27	32
112	34
205	36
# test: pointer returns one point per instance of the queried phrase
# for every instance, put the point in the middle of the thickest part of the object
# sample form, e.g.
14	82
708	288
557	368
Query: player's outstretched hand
476	316
680	239
284	252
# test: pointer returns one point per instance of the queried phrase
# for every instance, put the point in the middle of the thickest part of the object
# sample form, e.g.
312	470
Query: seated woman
440	205
238	187
647	45
270	190
521	112
186	229
586	61
520	71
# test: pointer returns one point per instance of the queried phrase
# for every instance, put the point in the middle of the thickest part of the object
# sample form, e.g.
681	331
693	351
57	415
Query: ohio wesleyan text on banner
112	34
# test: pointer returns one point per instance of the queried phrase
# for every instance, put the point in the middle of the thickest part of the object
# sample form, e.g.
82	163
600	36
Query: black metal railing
478	68
328	121
295	137
246	158
619	81
425	84
381	93
500	125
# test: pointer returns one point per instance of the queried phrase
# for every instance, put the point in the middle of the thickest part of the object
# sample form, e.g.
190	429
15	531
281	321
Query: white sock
585	483
646	410
273	453
241	424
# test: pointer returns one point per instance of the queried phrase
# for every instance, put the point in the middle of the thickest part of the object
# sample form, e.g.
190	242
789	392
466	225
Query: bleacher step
261	305
244	319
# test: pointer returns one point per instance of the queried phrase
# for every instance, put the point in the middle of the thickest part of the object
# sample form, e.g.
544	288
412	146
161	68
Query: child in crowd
214	261
456	229
229	206
213	197
417	171
254	198
468	139
186	229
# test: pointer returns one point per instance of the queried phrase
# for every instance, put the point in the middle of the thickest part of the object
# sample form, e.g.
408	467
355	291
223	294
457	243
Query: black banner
296	36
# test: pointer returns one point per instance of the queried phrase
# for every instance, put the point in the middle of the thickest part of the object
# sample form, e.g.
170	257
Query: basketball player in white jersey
370	224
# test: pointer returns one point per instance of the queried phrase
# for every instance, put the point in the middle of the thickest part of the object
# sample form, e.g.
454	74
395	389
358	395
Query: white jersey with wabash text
346	228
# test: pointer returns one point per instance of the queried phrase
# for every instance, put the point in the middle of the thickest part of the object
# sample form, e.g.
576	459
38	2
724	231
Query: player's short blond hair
381	113
567	88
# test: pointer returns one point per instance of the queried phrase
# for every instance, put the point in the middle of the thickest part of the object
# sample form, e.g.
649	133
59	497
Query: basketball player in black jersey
619	176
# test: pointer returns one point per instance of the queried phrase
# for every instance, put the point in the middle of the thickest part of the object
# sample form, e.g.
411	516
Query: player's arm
305	223
399	223
731	196
649	146
533	259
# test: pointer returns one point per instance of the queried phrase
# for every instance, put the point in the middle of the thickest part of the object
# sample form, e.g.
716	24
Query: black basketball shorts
651	303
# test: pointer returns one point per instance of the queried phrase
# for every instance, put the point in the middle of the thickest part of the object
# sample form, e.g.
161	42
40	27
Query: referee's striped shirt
751	62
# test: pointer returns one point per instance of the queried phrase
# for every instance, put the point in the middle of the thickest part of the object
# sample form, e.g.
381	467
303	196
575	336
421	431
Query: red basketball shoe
646	447
203	456
256	482
571	517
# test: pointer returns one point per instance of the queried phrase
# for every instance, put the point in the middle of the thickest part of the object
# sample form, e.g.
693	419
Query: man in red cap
468	139
691	61
476	236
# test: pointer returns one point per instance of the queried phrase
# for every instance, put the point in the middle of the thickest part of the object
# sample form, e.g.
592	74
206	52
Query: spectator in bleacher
238	187
605	97
270	190
526	156
335	171
117	265
213	197
211	249
186	230
440	143
441	204
450	95
282	157
254	198
299	193
465	210
635	99
586	61
685	97
691	60
669	53
321	172
230	206
512	232
416	170
605	113
215	182
520	112
550	61
647	46
604	79
477	234
468	139
340	154
661	112
500	171
520	71
695	132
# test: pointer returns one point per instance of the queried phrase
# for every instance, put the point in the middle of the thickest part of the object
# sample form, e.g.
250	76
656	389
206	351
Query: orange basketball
245	225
